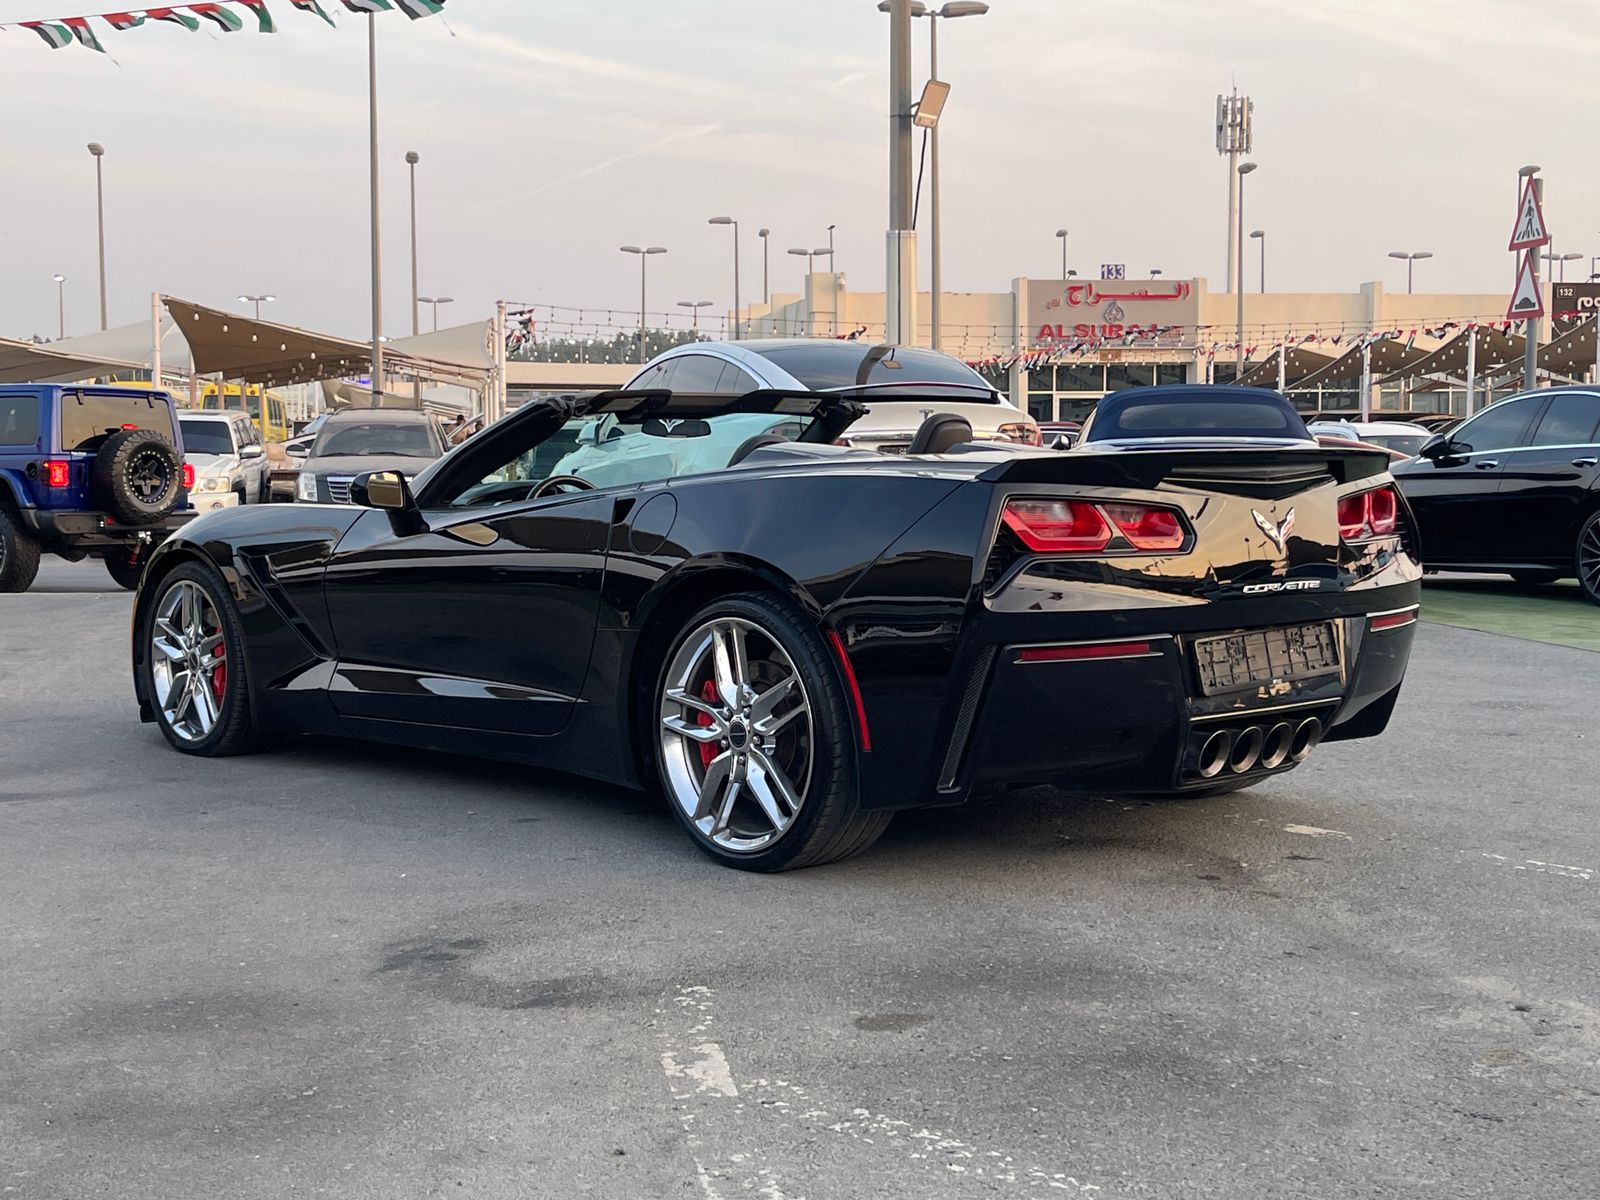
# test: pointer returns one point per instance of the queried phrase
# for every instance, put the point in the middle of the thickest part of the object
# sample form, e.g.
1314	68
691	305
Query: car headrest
939	432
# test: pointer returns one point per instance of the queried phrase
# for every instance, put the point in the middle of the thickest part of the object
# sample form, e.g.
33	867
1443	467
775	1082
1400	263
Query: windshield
1405	443
830	364
608	451
352	439
206	437
1195	413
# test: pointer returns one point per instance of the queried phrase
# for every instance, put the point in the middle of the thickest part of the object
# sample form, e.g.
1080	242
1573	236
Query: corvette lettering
1292	585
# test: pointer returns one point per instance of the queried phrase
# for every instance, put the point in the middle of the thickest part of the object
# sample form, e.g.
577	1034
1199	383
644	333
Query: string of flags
229	16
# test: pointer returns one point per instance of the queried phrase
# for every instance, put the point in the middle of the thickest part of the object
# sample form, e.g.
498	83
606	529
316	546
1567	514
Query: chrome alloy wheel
188	662
736	735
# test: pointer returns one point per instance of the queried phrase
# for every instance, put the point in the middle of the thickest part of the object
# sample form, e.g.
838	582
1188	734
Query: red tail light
188	476
1146	527
1058	526
1083	527
57	474
1369	514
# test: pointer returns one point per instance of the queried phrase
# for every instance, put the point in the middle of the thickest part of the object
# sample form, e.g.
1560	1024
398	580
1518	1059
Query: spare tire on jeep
137	476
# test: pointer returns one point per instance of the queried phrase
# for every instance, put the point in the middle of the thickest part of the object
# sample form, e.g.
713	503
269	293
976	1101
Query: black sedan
1514	490
356	441
799	641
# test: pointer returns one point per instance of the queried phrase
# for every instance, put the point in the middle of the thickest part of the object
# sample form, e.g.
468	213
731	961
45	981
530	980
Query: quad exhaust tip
1306	736
1246	749
1214	754
1276	750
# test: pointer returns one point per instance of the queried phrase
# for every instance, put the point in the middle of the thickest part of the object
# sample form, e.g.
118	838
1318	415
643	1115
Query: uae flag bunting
81	31
55	35
226	19
420	8
367	6
264	19
123	20
173	16
312	6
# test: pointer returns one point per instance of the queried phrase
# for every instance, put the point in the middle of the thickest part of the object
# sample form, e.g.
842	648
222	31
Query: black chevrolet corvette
791	638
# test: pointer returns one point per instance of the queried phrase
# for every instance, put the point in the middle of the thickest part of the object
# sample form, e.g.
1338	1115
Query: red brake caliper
708	750
219	677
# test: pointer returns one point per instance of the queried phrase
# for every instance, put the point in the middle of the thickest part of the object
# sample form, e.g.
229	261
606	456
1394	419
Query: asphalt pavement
336	970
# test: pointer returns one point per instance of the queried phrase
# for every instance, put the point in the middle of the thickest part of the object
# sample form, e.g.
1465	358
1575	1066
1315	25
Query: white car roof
195	414
1398	427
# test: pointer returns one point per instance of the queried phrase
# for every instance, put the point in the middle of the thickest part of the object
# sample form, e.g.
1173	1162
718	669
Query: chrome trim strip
1389	612
1099	658
1247	714
1131	637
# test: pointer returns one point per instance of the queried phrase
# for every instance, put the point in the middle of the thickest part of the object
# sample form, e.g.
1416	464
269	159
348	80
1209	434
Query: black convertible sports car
801	638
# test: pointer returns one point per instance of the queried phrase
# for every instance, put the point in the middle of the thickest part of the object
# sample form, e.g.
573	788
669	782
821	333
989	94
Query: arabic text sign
1152	312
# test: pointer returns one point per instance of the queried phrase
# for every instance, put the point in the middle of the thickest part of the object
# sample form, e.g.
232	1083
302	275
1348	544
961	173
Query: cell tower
1234	137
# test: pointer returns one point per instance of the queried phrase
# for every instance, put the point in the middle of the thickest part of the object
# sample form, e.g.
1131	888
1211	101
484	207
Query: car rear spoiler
1265	473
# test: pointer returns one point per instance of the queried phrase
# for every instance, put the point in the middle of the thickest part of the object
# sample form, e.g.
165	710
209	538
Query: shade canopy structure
1572	354
1297	364
1388	355
131	343
31	362
1493	349
262	352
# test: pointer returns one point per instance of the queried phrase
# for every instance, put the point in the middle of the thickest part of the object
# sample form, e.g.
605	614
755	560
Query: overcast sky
553	131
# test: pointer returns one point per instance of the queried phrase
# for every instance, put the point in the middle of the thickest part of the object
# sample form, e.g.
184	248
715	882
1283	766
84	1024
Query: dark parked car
87	472
1514	489
798	641
354	442
1194	414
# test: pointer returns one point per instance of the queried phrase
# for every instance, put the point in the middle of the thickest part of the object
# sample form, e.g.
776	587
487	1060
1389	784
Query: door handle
1585	462
1486	464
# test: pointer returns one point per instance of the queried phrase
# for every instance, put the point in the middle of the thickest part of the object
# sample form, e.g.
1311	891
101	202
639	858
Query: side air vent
961	732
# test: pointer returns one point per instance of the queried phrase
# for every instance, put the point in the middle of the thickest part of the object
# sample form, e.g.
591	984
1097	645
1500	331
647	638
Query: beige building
1056	346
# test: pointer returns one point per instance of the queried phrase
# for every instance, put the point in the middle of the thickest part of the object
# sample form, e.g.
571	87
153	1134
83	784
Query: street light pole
435	302
735	224
1262	235
900	296
1410	258
412	158
61	306
694	307
99	152
1238	358
644	253
765	235
257	301
377	243
1062	234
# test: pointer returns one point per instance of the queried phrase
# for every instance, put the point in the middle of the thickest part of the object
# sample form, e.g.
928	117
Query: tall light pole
1062	234
436	301
99	152
900	274
1410	257
258	301
735	224
765	235
1235	137
1238	289
61	306
644	253
1530	327
694	307
1262	235
1558	263
377	243
412	159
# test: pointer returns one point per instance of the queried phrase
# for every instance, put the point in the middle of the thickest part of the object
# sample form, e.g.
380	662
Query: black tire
126	567
1536	577
234	731
19	553
1586	558
137	476
829	824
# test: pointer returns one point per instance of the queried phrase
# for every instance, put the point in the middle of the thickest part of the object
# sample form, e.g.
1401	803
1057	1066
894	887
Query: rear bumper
90	529
1139	721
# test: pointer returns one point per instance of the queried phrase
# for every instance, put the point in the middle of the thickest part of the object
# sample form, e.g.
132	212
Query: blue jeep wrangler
87	471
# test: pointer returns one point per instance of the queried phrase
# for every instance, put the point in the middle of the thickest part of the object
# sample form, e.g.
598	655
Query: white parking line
1539	867
1314	831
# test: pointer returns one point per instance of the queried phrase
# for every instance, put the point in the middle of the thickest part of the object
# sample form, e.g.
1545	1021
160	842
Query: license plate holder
1238	662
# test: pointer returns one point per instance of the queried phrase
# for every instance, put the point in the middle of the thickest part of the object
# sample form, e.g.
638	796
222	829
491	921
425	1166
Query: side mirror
1436	447
297	449
389	491
247	453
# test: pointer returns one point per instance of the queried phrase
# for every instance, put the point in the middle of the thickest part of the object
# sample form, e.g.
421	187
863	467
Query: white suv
227	456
